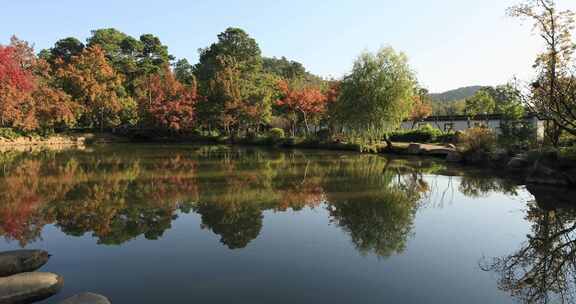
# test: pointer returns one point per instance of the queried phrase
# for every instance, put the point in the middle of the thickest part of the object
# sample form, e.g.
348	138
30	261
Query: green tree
292	71
135	59
63	49
111	41
507	101
184	72
377	95
154	54
234	43
481	103
284	68
230	76
449	108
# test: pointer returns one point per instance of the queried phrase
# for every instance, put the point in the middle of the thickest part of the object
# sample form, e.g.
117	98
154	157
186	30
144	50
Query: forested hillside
457	94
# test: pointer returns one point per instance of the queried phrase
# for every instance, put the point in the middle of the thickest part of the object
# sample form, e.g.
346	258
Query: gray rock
29	287
518	162
13	262
86	298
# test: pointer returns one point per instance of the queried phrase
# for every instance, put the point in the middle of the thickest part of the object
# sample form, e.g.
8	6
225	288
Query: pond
214	224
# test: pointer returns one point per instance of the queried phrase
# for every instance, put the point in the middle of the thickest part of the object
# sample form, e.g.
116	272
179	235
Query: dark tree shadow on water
543	270
237	226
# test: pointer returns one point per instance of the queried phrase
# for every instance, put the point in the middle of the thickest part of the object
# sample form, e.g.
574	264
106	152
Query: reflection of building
463	122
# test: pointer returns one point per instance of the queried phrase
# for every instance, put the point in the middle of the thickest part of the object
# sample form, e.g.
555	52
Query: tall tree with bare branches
553	93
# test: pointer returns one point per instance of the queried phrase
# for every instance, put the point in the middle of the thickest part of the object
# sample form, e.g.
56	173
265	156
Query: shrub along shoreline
477	147
473	148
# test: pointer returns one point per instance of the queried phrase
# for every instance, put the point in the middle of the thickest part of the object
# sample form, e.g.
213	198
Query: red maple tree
309	102
16	84
172	104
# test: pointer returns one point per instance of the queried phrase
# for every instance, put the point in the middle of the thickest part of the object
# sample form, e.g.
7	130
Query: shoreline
30	143
546	169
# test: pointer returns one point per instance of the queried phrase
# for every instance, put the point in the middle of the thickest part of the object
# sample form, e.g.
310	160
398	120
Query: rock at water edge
29	287
86	298
18	261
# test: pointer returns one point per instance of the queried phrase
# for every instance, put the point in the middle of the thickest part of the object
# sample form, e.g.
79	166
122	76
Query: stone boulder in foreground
86	298
18	261
29	287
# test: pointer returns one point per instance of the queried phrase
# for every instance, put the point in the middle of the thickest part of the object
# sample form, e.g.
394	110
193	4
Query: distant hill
457	94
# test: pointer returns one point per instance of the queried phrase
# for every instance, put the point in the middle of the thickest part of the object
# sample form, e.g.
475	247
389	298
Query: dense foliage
456	94
377	95
115	80
424	134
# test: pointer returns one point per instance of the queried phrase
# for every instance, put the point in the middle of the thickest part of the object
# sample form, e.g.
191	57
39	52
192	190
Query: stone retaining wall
27	143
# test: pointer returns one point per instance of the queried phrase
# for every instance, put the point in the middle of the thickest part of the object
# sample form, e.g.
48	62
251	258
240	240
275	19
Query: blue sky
450	43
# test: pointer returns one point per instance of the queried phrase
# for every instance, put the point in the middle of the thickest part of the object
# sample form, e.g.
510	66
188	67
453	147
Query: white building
462	122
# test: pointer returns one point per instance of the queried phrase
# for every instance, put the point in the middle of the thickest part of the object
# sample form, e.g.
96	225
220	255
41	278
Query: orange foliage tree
309	102
52	106
29	100
94	85
421	109
171	104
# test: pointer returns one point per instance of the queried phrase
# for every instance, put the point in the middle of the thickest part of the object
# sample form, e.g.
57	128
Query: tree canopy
114	79
553	94
377	95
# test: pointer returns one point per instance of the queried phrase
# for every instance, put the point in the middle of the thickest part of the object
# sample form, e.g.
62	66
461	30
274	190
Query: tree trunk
306	123
101	119
553	132
388	143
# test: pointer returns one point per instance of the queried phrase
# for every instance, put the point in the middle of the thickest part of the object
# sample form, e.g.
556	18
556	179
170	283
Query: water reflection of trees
121	193
476	186
377	208
543	270
114	197
237	225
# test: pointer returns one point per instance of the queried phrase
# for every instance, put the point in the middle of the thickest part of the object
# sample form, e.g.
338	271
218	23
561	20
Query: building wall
455	125
540	128
462	125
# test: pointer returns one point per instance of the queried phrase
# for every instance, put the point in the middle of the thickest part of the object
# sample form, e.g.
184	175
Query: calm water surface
188	224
